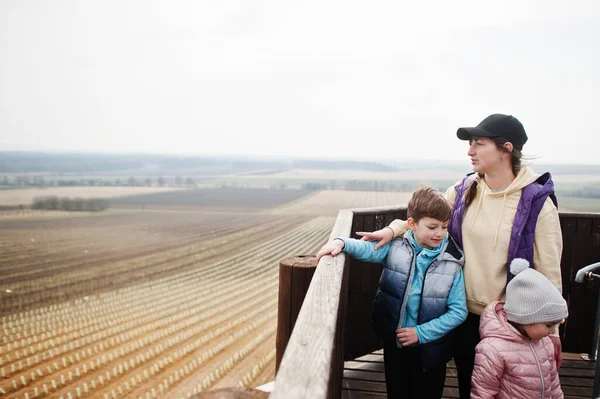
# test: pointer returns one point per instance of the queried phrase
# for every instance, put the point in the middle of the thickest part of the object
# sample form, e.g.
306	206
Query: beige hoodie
486	229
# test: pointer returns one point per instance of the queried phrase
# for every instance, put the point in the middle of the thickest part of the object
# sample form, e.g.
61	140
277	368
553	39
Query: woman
502	211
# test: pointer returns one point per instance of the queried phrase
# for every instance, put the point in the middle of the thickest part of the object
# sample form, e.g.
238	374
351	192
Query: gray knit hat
531	298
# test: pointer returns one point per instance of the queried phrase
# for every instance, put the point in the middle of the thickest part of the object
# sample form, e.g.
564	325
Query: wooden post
295	274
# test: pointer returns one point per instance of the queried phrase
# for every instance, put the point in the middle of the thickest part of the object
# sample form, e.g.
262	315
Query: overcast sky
354	79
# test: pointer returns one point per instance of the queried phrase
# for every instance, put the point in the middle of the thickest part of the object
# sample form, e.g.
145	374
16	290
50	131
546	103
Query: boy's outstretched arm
454	316
361	250
487	373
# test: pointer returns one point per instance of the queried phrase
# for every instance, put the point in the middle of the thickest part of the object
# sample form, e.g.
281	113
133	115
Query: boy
417	328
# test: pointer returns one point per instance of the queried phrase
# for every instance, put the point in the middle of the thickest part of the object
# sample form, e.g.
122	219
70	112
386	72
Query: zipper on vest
411	274
423	288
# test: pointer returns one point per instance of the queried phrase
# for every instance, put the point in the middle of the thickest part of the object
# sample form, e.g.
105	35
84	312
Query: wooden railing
333	324
312	364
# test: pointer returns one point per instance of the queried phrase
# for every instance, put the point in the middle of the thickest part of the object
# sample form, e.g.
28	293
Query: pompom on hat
532	298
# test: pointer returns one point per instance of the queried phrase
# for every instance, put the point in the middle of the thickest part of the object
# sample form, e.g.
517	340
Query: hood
525	177
452	252
494	324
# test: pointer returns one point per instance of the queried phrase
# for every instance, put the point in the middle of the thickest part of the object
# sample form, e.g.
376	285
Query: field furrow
189	331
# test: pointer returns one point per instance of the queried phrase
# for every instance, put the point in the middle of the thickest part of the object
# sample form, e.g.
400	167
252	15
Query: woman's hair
427	202
515	161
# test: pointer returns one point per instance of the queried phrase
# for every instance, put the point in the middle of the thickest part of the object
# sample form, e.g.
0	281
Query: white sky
356	79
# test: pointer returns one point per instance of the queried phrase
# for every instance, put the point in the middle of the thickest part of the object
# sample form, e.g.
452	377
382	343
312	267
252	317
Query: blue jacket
436	302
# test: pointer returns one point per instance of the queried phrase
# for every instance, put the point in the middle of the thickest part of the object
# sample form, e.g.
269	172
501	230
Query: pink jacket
509	366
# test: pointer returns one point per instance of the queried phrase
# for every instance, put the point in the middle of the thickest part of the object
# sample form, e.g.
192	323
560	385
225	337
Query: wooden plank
577	391
451	382
596	235
568	228
586	215
307	365
572	372
337	367
364	278
582	298
352	338
295	274
366	366
363	310
303	268
451	372
450	393
359	385
576	382
369	222
364	375
380	221
357	225
370	357
284	324
375	271
362	334
578	364
350	394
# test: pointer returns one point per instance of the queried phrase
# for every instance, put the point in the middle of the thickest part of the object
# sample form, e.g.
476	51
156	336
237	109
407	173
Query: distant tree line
40	181
375	185
70	204
35	162
584	192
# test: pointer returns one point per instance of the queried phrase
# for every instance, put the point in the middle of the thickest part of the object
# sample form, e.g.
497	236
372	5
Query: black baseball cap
497	125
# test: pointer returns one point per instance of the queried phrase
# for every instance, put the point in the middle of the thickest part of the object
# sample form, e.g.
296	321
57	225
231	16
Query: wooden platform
364	378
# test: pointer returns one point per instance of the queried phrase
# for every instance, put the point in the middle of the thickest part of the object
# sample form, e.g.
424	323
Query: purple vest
522	235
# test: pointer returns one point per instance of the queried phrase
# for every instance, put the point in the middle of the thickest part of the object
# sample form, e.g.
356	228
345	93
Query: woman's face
485	156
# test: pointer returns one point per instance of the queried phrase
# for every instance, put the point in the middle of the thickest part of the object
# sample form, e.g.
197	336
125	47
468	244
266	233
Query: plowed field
152	303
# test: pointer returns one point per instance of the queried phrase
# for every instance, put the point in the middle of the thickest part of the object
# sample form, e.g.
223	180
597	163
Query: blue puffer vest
522	235
389	306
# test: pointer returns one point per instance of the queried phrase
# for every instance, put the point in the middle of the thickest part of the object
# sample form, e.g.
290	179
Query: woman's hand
332	248
384	236
407	336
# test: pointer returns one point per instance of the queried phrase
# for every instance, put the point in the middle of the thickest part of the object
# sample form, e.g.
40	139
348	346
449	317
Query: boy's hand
407	336
332	248
384	236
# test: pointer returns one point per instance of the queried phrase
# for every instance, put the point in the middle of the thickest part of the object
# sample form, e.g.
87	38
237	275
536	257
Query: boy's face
429	233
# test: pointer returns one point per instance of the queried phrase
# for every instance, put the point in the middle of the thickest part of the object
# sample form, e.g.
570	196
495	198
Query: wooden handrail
313	350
